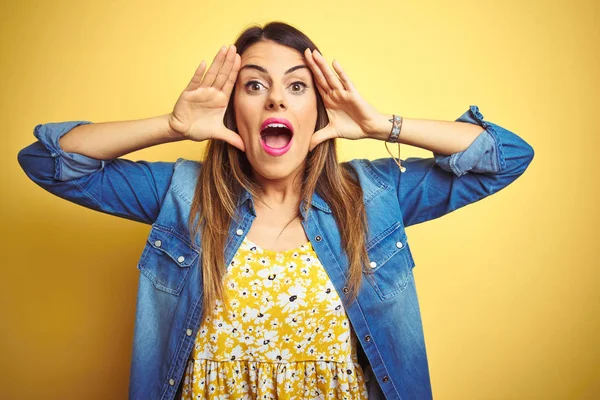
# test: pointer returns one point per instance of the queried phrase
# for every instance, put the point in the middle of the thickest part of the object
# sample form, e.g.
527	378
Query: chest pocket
167	259
390	262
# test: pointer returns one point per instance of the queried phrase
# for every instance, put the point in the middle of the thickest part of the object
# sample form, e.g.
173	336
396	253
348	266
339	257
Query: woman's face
275	82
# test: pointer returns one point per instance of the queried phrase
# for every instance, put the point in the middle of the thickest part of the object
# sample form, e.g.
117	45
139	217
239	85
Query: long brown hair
226	171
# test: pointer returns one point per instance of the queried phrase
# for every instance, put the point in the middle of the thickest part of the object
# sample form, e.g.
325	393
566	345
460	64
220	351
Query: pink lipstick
276	135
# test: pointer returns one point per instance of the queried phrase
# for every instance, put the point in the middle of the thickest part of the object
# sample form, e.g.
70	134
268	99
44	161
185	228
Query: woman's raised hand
199	111
350	116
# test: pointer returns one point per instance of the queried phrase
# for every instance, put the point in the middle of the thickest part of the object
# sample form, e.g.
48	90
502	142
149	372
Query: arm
472	158
432	187
78	160
91	177
109	140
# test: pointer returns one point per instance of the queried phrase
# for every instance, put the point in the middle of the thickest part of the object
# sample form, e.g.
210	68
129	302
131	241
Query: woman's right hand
199	111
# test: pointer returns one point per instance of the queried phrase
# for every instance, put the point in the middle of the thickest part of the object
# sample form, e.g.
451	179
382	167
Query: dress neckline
305	246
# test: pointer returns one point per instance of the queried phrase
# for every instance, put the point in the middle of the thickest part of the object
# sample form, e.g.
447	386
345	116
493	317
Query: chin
275	170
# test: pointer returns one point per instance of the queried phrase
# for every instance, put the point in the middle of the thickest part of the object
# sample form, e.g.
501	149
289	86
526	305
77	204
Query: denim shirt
385	316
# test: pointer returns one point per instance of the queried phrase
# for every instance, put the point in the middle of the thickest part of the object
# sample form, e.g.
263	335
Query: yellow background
508	286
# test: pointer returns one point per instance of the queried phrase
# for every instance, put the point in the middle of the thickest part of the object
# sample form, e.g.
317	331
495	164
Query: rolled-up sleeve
129	189
67	166
483	154
432	187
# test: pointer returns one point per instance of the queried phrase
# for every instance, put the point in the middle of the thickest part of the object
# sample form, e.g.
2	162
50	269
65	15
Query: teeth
277	126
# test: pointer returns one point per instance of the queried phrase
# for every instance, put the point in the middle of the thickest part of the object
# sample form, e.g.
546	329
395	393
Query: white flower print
344	336
281	308
256	284
236	353
270	274
280	258
291	266
309	322
264	261
300	346
274	323
249	314
244	293
263	313
231	285
235	329
218	307
293	299
335	307
309	261
278	355
246	271
268	339
267	300
293	319
326	292
328	335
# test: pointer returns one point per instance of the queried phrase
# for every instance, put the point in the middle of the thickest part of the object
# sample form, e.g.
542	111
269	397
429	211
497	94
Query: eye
298	87
251	86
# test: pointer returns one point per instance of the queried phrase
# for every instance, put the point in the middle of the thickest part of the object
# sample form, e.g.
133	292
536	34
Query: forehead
274	57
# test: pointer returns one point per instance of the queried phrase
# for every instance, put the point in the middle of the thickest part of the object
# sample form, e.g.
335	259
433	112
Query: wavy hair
226	172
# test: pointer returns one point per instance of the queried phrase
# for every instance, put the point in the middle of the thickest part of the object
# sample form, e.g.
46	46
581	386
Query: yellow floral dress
283	335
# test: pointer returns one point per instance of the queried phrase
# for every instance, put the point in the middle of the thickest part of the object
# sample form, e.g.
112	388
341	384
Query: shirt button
368	338
318	238
399	245
239	232
171	382
373	264
345	290
181	259
189	332
158	243
385	378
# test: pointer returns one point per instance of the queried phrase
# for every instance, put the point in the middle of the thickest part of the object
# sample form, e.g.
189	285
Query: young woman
271	270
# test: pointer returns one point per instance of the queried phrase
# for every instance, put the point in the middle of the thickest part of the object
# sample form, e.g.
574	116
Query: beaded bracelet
394	138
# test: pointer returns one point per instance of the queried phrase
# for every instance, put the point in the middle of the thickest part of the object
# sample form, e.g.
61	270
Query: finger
228	86
316	70
321	135
332	78
225	69
230	137
197	78
214	68
343	76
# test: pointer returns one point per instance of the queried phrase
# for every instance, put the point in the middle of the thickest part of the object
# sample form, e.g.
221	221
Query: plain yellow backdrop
508	286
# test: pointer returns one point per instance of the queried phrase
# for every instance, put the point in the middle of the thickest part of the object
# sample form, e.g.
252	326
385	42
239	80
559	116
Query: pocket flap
175	247
386	245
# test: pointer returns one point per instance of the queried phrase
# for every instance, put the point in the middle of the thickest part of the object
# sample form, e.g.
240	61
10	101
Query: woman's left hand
350	116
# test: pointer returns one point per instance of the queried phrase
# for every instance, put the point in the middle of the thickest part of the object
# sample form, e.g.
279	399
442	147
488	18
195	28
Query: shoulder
185	176
183	166
377	178
382	172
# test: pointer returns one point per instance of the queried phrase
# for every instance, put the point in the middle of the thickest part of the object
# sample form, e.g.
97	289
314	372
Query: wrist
380	127
171	134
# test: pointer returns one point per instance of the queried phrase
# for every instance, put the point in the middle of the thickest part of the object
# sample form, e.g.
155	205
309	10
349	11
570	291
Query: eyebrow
261	69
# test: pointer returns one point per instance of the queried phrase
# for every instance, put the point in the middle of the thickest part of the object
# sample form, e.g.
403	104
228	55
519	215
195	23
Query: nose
275	101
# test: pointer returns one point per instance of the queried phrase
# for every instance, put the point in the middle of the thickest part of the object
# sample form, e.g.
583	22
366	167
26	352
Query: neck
284	193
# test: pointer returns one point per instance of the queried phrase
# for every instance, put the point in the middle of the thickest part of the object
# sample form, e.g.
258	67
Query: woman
317	298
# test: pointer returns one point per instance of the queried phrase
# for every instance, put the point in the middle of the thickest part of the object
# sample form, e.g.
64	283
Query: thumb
322	135
230	137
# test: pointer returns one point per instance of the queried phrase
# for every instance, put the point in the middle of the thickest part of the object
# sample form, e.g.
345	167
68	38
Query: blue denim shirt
385	316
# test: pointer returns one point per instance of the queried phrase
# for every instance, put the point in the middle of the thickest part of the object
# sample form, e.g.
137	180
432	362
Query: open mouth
276	136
